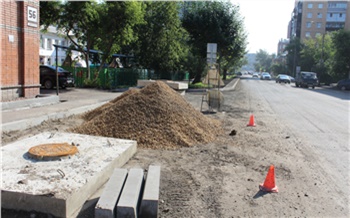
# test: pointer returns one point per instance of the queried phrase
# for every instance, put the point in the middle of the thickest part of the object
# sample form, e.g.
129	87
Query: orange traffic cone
269	184
251	121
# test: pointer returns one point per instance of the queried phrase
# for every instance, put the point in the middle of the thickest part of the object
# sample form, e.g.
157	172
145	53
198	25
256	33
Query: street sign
211	53
32	16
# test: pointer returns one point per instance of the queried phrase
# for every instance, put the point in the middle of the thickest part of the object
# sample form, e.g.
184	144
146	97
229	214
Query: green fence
111	78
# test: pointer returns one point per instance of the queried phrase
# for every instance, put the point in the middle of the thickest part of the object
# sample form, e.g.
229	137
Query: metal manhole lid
53	150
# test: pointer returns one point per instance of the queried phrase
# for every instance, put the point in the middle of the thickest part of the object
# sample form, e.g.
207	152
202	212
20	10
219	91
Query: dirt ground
221	179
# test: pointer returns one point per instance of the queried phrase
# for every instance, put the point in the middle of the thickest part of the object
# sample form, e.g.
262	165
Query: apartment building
281	46
19	24
313	18
47	52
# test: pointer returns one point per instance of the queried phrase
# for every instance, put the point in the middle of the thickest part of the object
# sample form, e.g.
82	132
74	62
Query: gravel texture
156	117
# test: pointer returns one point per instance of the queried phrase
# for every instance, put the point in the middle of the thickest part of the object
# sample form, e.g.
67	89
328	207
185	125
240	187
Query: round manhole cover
52	150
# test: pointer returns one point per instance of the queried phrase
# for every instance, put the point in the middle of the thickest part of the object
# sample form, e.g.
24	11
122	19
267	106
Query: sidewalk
70	101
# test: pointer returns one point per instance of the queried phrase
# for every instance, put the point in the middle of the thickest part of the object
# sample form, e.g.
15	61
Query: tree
317	55
263	61
117	24
215	22
81	19
278	69
341	41
293	57
162	39
49	12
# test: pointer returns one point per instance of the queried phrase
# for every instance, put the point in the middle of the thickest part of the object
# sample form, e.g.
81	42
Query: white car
265	76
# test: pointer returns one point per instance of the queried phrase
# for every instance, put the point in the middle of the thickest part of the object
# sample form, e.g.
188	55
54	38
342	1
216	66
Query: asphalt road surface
319	117
304	133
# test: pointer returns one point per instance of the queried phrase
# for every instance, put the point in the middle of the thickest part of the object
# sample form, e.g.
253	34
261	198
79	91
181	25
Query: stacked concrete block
128	204
128	195
111	193
150	198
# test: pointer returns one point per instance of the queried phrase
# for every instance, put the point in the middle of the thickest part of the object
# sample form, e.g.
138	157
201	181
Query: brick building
20	42
311	18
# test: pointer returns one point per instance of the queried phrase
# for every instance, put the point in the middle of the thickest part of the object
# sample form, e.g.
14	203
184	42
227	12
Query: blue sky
266	22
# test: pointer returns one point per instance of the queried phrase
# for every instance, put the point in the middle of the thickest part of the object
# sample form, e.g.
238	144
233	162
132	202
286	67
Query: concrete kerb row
27	123
39	101
127	194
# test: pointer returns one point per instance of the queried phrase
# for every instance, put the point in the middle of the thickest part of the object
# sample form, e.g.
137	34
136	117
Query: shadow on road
44	91
331	91
260	194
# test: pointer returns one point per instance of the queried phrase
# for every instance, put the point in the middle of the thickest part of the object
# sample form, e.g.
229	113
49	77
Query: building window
332	5
42	41
320	5
63	42
318	34
337	5
49	44
319	25
308	24
309	15
53	43
309	5
307	34
319	15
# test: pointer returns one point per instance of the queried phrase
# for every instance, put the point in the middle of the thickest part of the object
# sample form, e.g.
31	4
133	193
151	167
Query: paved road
319	116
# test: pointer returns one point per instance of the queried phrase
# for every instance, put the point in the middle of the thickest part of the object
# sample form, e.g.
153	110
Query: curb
39	101
31	122
232	87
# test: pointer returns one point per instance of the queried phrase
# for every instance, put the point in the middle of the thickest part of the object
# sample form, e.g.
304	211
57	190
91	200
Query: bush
199	86
88	83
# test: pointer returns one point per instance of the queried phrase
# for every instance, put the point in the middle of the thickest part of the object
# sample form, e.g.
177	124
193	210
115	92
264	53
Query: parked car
265	76
344	84
292	79
306	79
282	78
255	75
48	77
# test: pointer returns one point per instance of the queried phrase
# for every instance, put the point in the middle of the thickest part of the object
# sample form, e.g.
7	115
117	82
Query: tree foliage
263	61
317	56
215	22
328	55
117	24
341	41
80	19
293	58
153	31
49	12
162	40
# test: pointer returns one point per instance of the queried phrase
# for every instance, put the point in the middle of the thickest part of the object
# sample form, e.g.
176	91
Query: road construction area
213	163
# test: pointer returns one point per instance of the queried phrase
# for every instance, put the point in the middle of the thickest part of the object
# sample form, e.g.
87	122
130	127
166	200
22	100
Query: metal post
57	84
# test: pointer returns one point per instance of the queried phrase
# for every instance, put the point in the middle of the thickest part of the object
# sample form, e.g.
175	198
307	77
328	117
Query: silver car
265	76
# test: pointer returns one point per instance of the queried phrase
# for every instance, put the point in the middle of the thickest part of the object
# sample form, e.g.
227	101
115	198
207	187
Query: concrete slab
128	204
111	193
177	85
150	198
62	186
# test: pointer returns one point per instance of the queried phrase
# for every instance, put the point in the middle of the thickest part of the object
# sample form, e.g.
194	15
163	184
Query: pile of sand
155	116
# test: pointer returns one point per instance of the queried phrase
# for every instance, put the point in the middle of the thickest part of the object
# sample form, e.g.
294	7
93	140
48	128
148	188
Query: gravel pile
156	117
